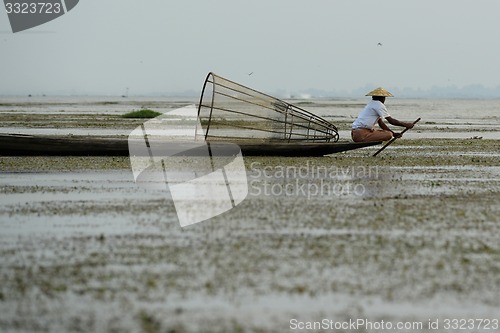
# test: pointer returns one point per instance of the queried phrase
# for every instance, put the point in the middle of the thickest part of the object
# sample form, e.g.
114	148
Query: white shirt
372	112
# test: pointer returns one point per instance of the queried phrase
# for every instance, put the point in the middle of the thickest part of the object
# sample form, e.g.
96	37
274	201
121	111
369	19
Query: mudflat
409	236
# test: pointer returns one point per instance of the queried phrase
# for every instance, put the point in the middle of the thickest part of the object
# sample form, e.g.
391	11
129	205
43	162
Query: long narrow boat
230	118
31	145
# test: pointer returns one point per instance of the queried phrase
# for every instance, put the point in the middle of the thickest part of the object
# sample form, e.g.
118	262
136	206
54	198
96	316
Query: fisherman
363	128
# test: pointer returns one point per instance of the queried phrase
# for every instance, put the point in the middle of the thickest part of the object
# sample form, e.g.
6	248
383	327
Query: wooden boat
231	118
31	145
299	148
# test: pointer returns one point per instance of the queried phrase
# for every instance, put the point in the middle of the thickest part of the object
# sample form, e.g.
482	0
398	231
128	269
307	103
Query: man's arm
395	122
385	127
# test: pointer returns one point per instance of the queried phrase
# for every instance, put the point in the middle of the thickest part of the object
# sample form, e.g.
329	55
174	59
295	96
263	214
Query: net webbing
231	111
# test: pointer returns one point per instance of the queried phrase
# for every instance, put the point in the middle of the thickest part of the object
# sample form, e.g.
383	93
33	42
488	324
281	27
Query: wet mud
410	235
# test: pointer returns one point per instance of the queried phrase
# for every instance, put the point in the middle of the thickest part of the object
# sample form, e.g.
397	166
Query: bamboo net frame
229	111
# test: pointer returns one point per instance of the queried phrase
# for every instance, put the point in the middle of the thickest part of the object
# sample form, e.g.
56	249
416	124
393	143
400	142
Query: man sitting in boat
363	128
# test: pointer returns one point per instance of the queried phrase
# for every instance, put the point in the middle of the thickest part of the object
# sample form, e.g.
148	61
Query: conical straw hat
380	92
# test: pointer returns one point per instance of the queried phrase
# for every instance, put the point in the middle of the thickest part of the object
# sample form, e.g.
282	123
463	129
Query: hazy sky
160	46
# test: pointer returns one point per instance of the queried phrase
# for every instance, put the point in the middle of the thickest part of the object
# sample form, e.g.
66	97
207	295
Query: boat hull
27	145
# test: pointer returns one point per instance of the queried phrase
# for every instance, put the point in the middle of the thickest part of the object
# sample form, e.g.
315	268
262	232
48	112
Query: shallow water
83	248
440	118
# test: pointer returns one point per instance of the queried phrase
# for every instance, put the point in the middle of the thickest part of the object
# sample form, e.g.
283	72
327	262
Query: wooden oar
394	139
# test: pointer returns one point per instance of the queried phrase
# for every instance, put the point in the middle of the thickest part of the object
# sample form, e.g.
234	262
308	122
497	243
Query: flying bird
250	73
379	44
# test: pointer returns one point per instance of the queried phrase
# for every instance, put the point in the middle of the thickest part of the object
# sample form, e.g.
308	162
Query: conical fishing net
229	111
